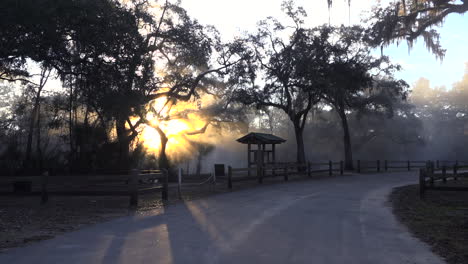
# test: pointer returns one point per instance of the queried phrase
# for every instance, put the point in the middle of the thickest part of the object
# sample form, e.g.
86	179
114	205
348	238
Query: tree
174	58
36	117
79	39
356	81
283	72
444	114
116	57
189	124
410	19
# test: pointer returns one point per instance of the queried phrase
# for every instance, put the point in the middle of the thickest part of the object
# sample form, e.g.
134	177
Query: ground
24	220
342	219
441	219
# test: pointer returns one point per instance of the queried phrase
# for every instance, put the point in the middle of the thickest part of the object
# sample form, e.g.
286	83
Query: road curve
339	220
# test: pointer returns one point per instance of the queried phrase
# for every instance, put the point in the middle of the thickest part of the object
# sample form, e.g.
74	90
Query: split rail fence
436	176
122	183
186	180
284	170
386	165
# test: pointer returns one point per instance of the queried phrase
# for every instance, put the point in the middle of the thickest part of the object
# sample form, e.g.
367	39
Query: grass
440	219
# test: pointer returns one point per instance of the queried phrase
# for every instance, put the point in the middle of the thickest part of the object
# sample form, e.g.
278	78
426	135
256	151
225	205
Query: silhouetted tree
117	57
284	70
356	80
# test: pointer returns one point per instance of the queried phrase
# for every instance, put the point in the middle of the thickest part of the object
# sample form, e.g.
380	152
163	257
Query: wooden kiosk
260	155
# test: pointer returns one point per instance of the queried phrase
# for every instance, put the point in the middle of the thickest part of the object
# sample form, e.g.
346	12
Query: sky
232	17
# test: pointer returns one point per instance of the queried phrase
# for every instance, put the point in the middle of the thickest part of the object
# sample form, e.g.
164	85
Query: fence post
330	168
378	165
179	183
286	178
444	173
165	191
359	166
409	165
214	179
430	172
386	165
260	174
133	187
309	169
341	167
44	182
455	170
422	183
229	177
432	178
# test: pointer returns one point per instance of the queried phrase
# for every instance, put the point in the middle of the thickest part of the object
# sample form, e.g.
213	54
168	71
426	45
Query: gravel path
336	220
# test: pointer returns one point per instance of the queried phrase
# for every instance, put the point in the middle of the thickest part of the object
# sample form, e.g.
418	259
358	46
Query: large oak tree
358	81
285	70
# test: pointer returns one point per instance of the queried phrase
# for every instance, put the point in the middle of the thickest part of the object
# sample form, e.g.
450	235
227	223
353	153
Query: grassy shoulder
441	219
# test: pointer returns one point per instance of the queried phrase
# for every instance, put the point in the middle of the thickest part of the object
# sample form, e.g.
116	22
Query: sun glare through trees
111	107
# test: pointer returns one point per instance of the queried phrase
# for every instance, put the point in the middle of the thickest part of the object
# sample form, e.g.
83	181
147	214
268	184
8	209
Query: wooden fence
386	165
129	184
433	178
284	170
449	163
193	180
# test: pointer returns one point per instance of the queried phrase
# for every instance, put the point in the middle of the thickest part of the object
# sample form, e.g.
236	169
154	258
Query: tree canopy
411	19
358	81
117	57
293	68
284	72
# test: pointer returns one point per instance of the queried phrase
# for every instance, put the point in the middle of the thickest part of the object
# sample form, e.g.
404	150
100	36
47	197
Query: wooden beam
133	187
273	152
249	157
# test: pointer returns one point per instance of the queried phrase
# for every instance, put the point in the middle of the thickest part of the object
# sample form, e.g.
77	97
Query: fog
197	95
430	125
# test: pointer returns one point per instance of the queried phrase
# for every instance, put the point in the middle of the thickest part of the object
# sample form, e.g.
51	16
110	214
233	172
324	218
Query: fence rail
284	170
386	165
193	180
430	175
130	184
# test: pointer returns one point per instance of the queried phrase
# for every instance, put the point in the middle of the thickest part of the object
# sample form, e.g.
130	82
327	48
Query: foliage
410	19
357	80
285	69
114	58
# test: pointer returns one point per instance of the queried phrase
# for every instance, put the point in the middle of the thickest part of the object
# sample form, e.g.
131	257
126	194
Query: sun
178	121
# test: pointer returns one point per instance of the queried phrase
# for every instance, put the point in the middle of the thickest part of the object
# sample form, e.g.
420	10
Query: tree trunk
348	153
163	160
38	139
45	73
27	159
34	116
199	164
124	143
71	158
300	156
